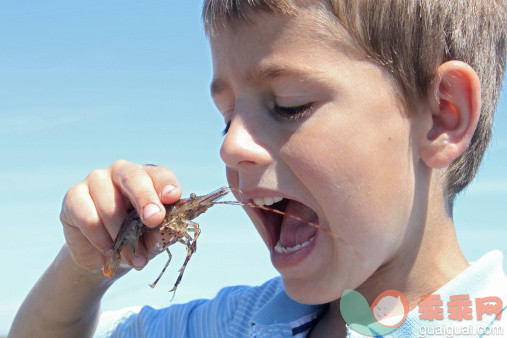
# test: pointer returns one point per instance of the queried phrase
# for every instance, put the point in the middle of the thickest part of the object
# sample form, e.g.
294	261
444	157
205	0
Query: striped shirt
238	311
267	311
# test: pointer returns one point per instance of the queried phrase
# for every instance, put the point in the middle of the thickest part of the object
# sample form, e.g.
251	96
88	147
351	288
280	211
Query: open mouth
291	230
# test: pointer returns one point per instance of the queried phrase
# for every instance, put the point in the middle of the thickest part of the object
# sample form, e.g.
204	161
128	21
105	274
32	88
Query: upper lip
248	196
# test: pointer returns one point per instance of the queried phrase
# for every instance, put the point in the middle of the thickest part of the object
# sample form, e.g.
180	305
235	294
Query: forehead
316	23
270	45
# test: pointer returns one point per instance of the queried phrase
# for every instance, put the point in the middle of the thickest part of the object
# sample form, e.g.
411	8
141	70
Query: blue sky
85	83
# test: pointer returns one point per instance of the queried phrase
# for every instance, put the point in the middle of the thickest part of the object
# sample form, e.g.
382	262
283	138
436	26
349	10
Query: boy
364	117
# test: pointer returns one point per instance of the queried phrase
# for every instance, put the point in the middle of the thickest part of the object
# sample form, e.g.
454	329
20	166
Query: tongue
294	231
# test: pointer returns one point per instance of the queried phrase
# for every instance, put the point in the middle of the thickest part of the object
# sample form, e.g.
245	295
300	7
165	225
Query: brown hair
411	39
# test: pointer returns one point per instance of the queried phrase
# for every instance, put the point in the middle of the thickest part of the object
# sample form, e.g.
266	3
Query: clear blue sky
85	83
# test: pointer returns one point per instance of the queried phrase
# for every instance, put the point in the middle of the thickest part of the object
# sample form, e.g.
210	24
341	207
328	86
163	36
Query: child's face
345	154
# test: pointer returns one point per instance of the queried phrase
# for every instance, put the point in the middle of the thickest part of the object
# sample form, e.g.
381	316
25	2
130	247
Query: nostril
246	162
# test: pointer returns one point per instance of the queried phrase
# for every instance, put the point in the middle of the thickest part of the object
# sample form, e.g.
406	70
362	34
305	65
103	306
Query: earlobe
454	114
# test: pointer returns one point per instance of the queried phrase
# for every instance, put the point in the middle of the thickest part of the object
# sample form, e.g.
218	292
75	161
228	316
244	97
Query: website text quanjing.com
452	331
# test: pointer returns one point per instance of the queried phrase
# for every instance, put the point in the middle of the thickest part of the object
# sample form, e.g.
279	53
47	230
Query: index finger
165	183
146	187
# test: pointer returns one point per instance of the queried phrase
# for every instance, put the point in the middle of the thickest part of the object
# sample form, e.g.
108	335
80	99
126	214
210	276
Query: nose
241	148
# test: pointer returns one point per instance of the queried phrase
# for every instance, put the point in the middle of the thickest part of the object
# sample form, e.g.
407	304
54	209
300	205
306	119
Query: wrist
64	302
77	276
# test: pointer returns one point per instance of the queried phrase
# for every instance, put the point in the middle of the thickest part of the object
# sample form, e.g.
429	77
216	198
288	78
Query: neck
418	270
421	270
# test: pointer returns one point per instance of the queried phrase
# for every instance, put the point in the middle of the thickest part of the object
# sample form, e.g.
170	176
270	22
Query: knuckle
64	217
109	211
70	200
119	163
145	196
164	174
120	166
94	223
131	176
163	170
90	221
97	175
72	192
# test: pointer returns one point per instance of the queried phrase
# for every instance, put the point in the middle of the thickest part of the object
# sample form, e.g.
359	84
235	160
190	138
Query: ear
455	108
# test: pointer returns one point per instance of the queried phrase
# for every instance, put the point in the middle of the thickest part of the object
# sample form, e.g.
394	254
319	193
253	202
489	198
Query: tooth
294	248
277	199
268	200
259	201
291	249
280	249
307	242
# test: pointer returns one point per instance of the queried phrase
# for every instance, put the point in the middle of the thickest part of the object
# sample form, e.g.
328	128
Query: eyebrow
258	74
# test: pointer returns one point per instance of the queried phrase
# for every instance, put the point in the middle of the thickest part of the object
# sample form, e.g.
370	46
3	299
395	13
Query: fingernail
138	261
150	210
168	189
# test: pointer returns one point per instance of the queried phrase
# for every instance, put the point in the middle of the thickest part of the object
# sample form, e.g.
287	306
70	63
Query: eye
293	113
226	129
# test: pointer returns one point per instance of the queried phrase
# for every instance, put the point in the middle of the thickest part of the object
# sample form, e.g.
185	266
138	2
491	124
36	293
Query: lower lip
284	261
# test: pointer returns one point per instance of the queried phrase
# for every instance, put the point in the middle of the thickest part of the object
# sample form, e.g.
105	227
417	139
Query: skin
370	172
65	301
373	175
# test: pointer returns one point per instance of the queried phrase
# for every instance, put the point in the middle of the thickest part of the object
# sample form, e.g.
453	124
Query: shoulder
228	314
483	278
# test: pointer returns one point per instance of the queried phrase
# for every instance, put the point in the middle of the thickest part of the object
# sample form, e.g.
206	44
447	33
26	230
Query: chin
306	292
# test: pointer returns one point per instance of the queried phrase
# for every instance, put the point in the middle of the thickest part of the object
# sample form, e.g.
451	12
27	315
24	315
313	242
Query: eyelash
226	129
293	113
288	113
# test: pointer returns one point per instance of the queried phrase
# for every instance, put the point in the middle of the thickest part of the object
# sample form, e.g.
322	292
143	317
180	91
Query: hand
94	209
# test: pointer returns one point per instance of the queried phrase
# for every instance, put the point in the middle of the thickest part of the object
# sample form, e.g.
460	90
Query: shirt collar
286	314
482	278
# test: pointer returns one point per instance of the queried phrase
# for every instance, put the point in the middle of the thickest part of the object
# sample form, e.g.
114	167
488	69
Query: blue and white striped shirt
238	311
267	311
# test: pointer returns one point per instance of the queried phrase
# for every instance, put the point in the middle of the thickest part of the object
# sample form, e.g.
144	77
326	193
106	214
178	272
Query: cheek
360	175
